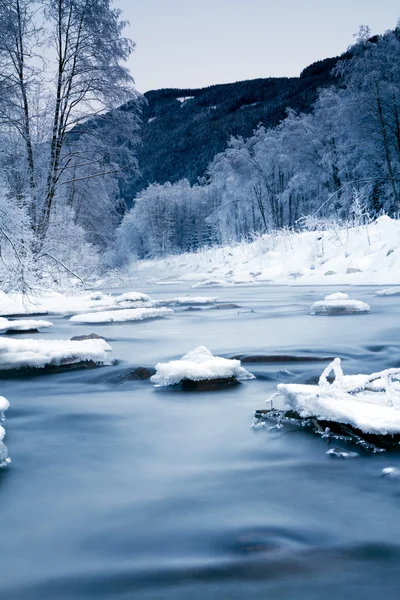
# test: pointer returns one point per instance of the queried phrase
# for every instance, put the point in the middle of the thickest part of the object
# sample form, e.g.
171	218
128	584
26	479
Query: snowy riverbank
368	254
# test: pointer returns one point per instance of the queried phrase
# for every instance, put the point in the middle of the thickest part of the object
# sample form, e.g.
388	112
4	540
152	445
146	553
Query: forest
339	160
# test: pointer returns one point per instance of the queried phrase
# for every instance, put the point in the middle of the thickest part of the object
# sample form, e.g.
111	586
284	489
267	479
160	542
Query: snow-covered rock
339	304
7	326
187	301
370	403
122	316
132	297
4	460
199	365
33	353
210	283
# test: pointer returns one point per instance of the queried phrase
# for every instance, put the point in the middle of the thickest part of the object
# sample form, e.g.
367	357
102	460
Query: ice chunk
199	365
122	316
23	325
32	353
370	403
339	304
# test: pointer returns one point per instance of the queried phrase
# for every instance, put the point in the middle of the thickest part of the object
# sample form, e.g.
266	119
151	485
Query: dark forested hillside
183	129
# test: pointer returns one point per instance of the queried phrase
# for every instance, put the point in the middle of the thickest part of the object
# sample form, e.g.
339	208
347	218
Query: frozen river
120	491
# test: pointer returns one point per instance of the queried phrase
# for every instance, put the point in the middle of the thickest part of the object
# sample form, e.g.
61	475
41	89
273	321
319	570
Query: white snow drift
23	325
32	353
199	365
370	403
122	316
339	303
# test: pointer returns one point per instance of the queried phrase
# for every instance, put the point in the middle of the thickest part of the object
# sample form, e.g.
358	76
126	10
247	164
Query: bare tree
62	110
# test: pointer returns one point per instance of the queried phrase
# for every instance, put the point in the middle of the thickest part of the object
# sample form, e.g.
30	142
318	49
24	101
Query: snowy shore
368	254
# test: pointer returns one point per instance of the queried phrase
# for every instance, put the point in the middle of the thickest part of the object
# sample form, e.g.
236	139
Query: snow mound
394	291
22	325
370	403
339	304
199	365
187	301
132	297
122	316
31	353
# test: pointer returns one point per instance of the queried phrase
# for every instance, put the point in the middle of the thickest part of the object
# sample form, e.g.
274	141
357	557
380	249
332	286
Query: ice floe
36	354
199	365
122	316
7	326
339	304
370	403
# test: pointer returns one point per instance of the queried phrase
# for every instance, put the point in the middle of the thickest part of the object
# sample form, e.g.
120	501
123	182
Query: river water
125	491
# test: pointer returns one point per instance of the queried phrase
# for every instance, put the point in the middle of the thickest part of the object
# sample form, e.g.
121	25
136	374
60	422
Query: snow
210	283
122	316
132	297
184	99
51	302
4	404
32	353
4	460
187	301
394	291
46	302
198	365
368	254
339	303
367	402
23	325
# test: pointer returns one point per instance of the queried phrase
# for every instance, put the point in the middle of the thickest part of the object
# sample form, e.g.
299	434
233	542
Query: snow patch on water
122	316
32	353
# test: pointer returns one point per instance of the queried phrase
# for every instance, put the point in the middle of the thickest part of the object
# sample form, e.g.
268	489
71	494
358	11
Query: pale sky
196	43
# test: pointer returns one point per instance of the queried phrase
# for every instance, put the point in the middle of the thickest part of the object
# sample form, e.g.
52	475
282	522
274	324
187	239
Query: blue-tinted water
123	491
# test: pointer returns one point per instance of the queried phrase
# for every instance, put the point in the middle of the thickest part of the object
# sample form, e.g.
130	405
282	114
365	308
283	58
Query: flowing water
125	491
